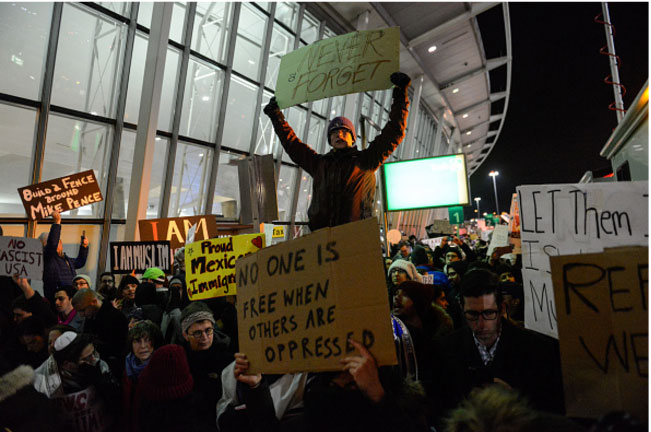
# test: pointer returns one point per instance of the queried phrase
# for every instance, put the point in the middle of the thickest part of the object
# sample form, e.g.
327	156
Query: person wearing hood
208	354
171	321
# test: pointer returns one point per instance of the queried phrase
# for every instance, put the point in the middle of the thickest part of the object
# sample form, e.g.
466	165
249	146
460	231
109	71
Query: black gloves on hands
272	106
400	79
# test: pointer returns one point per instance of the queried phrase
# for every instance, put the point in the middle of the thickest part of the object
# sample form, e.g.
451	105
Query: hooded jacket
344	180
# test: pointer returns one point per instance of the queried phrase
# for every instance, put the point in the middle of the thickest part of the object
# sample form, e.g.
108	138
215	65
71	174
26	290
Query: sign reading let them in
61	194
351	63
300	301
210	264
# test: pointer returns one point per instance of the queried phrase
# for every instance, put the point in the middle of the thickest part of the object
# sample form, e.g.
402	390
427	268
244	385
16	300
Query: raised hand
272	106
363	368
57	217
400	79
241	369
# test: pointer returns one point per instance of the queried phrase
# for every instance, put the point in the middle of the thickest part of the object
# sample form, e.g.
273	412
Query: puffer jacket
344	180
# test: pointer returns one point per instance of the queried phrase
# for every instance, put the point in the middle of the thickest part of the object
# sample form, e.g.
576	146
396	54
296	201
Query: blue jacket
59	271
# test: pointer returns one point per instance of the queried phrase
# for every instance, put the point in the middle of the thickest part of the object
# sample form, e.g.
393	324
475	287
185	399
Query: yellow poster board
210	264
299	302
279	232
350	63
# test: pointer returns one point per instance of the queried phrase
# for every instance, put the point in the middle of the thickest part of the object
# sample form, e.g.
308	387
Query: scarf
133	366
66	319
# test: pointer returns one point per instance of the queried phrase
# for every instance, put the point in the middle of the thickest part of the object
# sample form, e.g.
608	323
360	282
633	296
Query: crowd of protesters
140	356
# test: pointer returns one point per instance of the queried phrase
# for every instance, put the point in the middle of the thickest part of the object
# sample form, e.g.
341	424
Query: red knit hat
167	375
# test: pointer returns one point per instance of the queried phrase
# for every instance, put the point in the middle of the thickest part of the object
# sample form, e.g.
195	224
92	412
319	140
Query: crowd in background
138	355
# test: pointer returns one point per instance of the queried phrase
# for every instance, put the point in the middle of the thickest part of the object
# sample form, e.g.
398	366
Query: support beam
490	65
143	155
413	111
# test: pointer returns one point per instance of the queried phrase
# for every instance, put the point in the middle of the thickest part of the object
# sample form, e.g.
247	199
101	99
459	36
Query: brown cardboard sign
175	230
602	313
60	194
300	301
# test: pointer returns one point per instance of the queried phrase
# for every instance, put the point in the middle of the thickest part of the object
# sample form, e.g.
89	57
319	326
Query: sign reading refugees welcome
299	302
602	310
210	264
22	256
61	194
569	219
351	63
139	256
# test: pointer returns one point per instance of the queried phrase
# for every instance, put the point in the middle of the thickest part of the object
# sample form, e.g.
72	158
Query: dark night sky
558	119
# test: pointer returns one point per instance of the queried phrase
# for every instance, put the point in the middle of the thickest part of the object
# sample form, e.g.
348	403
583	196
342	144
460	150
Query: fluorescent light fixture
205	98
456	90
469	133
465	115
431	49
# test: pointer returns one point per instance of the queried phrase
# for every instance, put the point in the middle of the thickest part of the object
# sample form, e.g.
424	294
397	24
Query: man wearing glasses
492	350
208	353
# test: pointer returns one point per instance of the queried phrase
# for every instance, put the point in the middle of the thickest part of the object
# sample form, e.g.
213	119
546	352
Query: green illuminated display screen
439	181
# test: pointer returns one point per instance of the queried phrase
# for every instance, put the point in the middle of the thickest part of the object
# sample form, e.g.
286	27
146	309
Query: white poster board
567	219
500	238
22	256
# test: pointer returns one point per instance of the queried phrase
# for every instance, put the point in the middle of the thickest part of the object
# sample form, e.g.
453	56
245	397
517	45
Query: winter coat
59	271
344	180
22	408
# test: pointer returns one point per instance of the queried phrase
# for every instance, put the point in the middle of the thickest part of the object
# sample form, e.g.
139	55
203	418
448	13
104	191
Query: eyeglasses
80	282
197	334
488	314
91	358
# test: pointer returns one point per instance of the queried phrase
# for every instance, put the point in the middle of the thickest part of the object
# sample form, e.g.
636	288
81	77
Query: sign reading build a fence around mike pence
60	194
351	63
299	302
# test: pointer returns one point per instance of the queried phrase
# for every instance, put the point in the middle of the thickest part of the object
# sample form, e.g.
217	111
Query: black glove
400	79
272	106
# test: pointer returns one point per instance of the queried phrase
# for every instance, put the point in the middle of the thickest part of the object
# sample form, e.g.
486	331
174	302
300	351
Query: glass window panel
72	146
282	42
178	20
296	119
17	127
123	180
263	5
24	31
116	234
310	29
14	230
203	90
227	188
210	34
267	141
144	13
285	192
136	75
240	110
337	108
191	172
120	8
304	197
316	134
320	106
366	104
328	33
248	47
168	92
88	58
287	13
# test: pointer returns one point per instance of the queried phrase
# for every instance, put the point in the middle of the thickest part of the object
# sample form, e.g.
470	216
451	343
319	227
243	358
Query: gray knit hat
195	311
408	267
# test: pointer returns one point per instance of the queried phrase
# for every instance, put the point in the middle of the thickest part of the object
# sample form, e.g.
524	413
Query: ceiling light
205	98
465	115
431	49
456	90
469	132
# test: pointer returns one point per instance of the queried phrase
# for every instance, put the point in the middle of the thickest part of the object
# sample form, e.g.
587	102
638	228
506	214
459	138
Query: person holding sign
59	268
344	178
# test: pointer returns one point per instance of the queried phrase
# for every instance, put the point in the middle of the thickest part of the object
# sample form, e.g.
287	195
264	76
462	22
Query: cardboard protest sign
439	227
601	307
568	219
210	264
139	256
176	230
22	256
350	63
83	411
499	238
61	194
300	301
514	217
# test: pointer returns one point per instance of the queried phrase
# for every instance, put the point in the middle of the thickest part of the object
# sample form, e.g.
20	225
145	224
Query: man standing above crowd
491	350
344	179
59	268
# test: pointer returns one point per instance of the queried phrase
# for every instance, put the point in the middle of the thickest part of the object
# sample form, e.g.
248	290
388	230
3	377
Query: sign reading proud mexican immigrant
210	264
351	63
61	194
300	302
